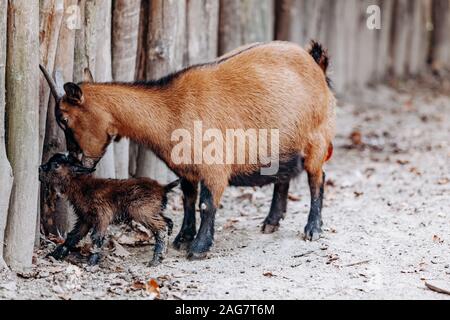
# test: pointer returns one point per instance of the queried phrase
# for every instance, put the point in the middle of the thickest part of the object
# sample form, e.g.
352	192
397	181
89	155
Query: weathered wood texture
50	19
440	40
245	21
125	32
165	54
56	216
103	72
6	176
202	31
361	55
22	88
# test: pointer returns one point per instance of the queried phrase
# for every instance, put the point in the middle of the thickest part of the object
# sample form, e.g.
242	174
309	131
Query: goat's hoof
181	243
59	253
94	259
193	256
269	228
312	232
154	263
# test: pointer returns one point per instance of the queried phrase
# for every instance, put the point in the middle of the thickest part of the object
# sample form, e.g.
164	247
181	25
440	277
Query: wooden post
56	216
166	48
401	35
202	30
245	21
290	21
125	31
50	18
440	41
384	61
22	88
103	72
6	176
419	41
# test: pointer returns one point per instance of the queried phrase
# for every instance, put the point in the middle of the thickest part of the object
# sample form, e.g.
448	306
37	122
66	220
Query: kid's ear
74	94
82	170
88	75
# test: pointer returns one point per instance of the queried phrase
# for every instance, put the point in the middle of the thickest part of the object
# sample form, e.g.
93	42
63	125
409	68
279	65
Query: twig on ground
436	288
357	263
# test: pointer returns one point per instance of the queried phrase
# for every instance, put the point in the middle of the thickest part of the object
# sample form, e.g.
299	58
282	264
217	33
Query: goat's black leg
98	239
188	229
313	229
278	208
205	237
80	230
161	244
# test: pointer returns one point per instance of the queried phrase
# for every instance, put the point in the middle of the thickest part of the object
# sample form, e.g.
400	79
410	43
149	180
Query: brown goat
261	86
99	202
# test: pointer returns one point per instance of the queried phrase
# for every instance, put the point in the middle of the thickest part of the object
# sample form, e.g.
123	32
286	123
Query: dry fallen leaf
268	274
356	138
56	239
119	250
403	162
443	181
437	239
415	171
330	183
245	196
85	250
408	105
230	223
136	239
138	285
358	194
293	197
152	287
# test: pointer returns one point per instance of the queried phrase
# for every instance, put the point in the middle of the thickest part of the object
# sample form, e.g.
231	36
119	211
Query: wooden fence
127	40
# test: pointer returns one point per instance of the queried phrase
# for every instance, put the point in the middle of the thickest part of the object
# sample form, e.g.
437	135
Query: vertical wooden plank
103	72
22	88
6	176
246	21
419	42
290	21
56	217
166	49
440	40
125	31
202	30
51	14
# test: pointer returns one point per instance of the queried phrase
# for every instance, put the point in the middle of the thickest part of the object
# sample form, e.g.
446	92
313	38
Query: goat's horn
59	81
56	94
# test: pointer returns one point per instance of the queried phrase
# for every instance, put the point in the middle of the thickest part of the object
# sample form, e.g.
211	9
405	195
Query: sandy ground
386	215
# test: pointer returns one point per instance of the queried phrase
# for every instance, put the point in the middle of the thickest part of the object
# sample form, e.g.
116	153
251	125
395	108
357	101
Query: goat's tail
320	55
171	185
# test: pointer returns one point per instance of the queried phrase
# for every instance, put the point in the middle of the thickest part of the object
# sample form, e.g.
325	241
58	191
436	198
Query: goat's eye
65	121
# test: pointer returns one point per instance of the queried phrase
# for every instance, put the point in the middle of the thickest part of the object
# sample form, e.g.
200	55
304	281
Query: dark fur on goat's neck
165	81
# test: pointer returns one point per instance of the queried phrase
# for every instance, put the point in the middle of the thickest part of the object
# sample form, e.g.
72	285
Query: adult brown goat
276	85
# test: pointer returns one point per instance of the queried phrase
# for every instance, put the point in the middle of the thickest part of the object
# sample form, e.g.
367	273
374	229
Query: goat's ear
74	94
82	170
88	75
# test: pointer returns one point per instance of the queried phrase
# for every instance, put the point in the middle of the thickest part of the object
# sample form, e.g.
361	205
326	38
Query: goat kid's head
87	127
60	169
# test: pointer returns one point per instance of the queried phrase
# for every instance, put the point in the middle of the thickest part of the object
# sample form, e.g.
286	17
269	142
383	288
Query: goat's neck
141	114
